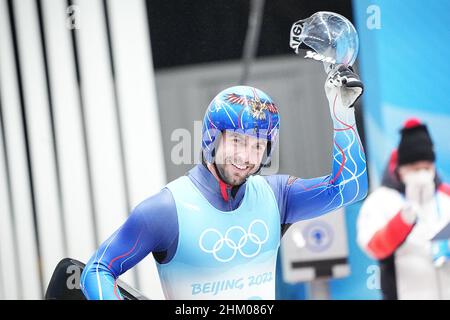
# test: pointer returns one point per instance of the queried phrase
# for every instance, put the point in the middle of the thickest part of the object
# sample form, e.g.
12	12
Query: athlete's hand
343	87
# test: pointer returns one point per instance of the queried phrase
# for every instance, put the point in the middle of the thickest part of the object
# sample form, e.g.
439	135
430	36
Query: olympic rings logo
225	241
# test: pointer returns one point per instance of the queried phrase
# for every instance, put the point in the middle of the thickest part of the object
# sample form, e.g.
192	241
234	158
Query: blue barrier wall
405	68
404	63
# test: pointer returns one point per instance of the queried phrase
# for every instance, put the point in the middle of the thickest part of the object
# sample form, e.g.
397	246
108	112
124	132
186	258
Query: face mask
420	187
419	177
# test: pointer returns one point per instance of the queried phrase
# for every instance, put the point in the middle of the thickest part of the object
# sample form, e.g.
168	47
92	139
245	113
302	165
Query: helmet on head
244	110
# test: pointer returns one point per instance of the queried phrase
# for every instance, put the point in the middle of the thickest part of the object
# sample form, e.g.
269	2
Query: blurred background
96	97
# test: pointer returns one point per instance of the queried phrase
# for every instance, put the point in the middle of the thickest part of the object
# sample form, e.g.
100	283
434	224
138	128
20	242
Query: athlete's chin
238	178
237	181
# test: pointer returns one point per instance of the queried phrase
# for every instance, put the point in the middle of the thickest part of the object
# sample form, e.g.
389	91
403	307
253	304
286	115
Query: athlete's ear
216	144
268	147
264	163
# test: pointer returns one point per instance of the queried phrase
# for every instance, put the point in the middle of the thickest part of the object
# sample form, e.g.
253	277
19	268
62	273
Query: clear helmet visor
329	34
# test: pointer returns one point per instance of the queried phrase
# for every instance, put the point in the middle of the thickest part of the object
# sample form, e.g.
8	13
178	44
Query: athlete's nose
242	157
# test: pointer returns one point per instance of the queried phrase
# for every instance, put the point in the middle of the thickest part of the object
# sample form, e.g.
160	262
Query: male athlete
215	232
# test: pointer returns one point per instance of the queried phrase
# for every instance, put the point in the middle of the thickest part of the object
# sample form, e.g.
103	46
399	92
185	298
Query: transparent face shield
332	37
263	137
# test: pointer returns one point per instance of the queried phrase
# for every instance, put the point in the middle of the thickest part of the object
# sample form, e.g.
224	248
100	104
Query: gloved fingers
342	75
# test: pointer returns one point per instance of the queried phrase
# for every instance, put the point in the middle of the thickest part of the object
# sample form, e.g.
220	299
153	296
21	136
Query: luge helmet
241	109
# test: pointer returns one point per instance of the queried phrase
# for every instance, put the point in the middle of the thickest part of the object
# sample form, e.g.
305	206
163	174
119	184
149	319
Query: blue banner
403	61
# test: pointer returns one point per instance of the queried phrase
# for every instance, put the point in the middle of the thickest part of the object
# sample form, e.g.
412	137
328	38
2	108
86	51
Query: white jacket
415	275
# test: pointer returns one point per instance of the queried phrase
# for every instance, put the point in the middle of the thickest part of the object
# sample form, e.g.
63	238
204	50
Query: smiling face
238	156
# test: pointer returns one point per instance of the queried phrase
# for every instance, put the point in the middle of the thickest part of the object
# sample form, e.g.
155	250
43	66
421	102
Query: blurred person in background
397	221
215	232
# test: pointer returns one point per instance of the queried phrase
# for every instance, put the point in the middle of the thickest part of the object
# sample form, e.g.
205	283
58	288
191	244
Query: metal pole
252	37
319	290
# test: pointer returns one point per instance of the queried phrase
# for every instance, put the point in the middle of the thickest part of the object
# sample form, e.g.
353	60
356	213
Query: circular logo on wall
318	236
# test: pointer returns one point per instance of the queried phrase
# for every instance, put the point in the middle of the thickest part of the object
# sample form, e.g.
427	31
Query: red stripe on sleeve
125	254
390	237
116	291
445	188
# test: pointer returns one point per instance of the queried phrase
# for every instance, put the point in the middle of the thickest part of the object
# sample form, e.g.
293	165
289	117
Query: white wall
75	156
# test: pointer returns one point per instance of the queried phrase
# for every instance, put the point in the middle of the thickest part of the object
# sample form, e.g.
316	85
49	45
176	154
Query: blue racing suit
208	246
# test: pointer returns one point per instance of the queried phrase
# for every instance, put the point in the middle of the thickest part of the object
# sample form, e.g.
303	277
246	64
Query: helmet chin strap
222	184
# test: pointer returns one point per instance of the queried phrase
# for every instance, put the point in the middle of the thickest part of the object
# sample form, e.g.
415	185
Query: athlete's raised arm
308	198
